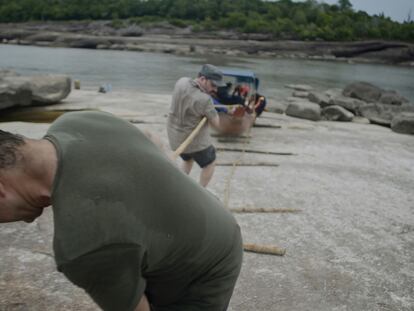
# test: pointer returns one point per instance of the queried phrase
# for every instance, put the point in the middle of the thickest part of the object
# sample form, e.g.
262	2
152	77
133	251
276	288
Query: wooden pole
189	139
264	249
252	151
245	164
264	210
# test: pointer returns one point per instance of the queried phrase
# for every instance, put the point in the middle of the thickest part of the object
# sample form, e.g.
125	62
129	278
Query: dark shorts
202	158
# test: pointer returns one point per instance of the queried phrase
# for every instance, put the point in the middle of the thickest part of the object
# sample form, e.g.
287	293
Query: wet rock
131	31
351	104
383	114
301	94
332	93
319	98
364	91
392	98
337	113
403	123
299	87
277	107
360	120
304	110
50	89
14	94
45	89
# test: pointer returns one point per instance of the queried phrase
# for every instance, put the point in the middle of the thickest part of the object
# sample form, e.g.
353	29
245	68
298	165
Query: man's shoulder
184	82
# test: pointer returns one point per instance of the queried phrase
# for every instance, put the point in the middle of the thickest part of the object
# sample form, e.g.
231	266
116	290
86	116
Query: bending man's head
19	195
9	149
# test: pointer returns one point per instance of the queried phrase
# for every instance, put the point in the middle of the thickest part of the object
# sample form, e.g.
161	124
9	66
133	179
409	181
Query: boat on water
239	102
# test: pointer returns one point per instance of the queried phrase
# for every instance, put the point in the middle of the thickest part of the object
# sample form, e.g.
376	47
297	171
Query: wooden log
225	136
264	249
267	126
252	151
246	164
264	210
233	140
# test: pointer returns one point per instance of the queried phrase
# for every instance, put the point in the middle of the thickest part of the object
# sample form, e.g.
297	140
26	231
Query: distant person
191	101
225	97
129	228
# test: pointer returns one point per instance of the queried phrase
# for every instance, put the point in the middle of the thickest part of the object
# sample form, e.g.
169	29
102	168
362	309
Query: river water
157	73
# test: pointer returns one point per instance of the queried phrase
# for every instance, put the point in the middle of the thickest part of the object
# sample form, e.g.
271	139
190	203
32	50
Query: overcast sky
395	9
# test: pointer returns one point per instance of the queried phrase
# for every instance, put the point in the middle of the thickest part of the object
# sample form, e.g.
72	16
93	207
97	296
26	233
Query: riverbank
349	248
165	38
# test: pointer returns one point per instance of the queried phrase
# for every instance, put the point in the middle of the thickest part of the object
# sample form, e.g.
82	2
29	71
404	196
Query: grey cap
213	74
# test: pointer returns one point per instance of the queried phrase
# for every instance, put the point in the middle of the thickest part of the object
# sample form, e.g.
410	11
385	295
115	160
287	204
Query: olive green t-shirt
126	219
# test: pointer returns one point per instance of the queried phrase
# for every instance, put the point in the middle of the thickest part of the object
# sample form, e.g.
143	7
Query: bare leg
187	166
207	173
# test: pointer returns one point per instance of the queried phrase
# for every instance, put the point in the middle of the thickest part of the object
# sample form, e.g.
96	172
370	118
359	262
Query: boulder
319	98
14	94
131	31
364	91
351	104
331	93
304	110
299	87
360	120
337	113
392	98
301	94
50	89
383	114
403	123
277	107
45	89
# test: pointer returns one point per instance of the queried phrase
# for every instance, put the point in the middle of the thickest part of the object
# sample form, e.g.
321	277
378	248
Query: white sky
395	9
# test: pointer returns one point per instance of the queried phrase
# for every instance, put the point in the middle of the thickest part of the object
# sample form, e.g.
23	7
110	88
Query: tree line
283	19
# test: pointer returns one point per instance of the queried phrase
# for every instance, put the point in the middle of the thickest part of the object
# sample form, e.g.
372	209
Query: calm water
150	72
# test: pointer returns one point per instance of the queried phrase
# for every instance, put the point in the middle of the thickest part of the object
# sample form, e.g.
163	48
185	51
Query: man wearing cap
191	102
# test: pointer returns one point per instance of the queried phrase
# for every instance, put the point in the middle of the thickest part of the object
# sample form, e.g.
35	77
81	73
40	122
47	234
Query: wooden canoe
237	123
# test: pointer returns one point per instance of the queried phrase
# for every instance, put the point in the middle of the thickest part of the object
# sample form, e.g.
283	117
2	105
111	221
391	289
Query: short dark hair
9	144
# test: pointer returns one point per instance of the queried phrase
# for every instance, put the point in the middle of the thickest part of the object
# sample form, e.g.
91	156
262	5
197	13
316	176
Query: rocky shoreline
166	38
357	102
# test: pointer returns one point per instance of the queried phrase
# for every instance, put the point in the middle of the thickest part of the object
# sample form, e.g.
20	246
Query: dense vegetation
284	19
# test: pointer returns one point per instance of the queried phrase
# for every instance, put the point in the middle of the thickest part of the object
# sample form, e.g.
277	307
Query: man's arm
215	122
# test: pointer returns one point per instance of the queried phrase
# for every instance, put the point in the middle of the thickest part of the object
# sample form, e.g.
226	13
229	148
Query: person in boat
191	102
129	228
225	96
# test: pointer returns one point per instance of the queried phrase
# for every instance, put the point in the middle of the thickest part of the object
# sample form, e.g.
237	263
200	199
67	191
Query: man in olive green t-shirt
130	229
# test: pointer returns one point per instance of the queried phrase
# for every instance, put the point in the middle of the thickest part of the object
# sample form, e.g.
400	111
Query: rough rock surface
392	98
337	113
349	248
304	110
383	114
403	123
319	98
364	91
43	90
14	94
351	104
